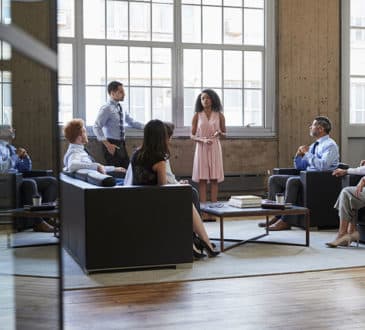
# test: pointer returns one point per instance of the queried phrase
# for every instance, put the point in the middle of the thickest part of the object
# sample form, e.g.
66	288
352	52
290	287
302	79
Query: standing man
109	127
322	155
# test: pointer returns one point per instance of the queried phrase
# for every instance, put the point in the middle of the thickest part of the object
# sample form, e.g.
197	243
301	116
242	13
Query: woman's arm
160	169
222	124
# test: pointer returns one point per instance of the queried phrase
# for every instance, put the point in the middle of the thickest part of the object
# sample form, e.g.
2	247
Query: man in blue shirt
322	155
109	127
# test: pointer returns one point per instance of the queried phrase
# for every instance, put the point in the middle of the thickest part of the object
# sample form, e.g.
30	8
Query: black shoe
197	255
211	253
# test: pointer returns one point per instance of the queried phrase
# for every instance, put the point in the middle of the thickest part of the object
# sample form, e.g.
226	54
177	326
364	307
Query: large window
165	52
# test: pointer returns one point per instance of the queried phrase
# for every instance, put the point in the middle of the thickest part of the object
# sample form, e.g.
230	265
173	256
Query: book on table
245	201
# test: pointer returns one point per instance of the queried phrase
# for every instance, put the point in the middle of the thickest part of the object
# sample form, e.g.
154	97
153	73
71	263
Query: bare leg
351	228
342	230
214	191
199	228
203	190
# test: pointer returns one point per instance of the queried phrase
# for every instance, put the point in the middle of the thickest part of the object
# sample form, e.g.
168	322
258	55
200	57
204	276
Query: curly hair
216	102
73	129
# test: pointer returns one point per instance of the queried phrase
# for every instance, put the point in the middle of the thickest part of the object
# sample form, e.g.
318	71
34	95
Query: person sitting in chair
322	155
45	186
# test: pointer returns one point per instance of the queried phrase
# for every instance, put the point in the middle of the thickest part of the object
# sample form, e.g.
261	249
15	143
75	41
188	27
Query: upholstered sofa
122	227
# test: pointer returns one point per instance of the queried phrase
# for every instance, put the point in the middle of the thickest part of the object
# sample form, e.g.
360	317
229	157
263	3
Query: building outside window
165	52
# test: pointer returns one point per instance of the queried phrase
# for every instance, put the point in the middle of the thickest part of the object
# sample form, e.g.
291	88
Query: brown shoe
43	227
271	222
280	225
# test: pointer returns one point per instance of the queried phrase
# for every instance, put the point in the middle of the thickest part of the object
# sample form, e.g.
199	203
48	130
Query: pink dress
208	160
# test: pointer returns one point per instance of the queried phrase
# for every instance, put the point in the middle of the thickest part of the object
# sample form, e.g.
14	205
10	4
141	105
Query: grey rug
246	260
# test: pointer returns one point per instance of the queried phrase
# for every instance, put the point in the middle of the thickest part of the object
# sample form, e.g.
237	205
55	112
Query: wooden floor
312	300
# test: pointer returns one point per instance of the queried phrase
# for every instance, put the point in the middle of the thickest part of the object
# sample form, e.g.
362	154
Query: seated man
46	186
322	155
76	157
350	200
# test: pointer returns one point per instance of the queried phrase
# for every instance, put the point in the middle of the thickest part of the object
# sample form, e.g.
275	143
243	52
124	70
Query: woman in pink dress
207	127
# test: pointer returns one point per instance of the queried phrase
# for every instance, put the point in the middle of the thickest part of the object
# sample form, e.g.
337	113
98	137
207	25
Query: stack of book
245	201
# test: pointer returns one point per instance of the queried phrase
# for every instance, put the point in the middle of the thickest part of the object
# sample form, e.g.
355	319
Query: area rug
245	260
251	259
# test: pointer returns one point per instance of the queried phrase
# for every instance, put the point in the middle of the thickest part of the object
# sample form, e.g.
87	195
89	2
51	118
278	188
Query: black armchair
320	192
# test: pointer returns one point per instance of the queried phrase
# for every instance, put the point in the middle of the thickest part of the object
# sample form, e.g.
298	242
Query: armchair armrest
35	173
287	171
350	180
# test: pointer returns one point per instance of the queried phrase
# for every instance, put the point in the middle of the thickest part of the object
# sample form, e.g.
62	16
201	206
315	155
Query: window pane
117	19
253	108
212	25
253	70
161	104
233	3
95	99
162	22
357	53
357	12
212	2
95	65
357	101
197	2
212	68
190	96
192	68
233	26
254	3
140	25
233	107
94	19
6	12
140	104
117	64
65	63
233	69
161	67
6	76
6	104
5	51
66	18
254	27
64	104
140	66
191	24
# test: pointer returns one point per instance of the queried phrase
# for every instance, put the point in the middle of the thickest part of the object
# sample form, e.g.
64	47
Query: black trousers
120	157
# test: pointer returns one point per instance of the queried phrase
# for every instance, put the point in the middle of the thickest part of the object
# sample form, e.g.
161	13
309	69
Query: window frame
78	43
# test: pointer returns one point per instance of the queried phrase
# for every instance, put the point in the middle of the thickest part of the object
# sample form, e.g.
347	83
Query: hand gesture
120	169
207	141
101	169
339	172
360	187
362	162
302	150
21	152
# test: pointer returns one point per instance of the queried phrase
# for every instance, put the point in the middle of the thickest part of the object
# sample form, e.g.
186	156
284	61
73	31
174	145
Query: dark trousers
120	157
46	187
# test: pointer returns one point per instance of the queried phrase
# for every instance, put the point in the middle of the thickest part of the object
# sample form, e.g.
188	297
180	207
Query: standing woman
207	127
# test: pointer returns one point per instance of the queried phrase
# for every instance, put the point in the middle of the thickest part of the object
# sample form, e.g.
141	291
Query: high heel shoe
196	254
355	237
211	253
198	243
344	240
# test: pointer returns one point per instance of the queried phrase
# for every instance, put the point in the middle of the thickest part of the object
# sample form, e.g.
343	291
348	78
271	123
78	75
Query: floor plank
312	300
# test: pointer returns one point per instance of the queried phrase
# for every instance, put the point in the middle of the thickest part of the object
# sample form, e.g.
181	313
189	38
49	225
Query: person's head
154	141
116	91
75	131
169	129
321	126
208	98
7	133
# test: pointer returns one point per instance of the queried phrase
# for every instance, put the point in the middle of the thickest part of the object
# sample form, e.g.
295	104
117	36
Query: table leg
307	224
267	225
221	233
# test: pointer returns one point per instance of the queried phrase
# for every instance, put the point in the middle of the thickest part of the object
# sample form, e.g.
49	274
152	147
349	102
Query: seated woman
148	165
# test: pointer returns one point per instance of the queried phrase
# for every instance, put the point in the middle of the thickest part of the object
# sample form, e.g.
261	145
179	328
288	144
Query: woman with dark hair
149	168
207	127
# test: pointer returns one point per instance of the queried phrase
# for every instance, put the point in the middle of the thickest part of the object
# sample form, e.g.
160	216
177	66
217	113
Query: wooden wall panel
308	70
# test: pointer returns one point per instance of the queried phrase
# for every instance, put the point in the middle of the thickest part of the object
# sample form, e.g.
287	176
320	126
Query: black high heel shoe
198	243
196	254
211	253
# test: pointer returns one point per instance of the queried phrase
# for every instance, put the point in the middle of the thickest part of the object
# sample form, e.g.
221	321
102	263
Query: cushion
93	177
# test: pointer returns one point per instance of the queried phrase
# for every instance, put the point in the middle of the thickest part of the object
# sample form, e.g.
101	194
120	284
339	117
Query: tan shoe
43	227
280	225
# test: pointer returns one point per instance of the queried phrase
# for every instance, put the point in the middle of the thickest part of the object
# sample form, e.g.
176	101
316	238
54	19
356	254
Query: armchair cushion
93	177
286	171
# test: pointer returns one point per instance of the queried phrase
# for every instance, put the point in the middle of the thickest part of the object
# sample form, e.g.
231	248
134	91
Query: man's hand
302	150
21	152
360	186
101	169
339	172
120	169
110	147
362	162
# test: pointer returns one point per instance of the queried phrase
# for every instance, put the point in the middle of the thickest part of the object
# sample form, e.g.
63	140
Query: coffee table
223	210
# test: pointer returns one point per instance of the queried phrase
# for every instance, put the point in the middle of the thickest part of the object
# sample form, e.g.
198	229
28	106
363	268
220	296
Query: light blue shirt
107	124
325	158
